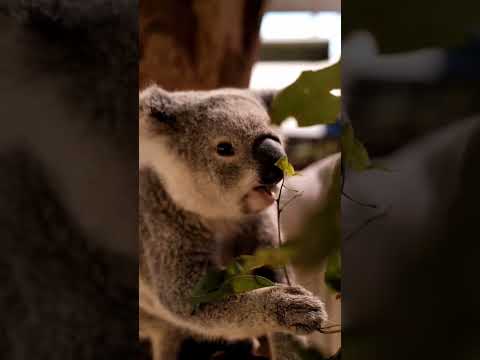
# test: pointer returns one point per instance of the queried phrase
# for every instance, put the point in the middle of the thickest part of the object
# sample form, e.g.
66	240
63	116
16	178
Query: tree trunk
198	44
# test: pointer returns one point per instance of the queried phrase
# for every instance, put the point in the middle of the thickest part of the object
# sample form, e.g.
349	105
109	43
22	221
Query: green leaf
235	268
309	99
218	284
210	282
380	167
321	233
244	283
333	274
354	153
208	289
285	166
273	257
210	297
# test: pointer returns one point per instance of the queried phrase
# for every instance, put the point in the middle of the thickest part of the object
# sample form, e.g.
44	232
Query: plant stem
280	243
373	206
364	224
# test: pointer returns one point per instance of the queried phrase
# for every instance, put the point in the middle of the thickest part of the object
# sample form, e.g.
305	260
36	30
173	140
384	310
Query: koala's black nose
267	152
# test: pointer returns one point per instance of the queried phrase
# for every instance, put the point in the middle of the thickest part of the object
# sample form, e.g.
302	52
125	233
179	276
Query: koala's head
214	151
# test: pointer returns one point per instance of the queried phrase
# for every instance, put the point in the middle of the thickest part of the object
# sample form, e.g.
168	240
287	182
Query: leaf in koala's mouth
284	165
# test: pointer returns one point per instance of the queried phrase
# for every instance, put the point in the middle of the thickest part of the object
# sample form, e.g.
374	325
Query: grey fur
178	246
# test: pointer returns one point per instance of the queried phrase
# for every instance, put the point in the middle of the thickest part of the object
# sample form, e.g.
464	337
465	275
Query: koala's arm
176	265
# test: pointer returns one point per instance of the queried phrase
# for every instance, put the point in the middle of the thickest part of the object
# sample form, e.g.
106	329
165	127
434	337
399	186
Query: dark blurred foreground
410	265
68	157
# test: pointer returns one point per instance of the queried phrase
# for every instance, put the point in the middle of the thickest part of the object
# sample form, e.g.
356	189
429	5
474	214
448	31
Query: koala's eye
225	149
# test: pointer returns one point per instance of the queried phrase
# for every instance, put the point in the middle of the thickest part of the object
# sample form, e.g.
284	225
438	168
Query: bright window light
336	92
295	26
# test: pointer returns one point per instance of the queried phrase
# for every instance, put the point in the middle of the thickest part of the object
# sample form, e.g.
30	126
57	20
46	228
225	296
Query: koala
207	182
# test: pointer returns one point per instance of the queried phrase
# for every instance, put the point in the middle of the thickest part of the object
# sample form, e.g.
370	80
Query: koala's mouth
260	197
266	191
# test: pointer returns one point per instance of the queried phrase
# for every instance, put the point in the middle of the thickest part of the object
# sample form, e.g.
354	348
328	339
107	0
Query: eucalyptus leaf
321	233
309	99
218	285
235	268
354	153
210	297
210	282
244	283
273	257
285	166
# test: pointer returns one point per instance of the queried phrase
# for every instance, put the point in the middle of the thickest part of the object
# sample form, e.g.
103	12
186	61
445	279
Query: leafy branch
288	170
305	100
309	100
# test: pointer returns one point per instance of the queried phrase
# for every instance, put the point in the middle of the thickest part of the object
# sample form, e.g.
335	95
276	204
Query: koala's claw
298	310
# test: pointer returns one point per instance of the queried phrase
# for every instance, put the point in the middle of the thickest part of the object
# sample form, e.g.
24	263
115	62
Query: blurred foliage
309	99
321	234
354	154
302	153
217	285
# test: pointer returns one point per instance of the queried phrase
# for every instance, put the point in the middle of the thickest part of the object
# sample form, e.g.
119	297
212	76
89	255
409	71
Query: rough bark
198	44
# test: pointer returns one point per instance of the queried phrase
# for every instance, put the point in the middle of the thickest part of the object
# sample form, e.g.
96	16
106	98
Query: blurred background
294	37
410	88
257	44
68	180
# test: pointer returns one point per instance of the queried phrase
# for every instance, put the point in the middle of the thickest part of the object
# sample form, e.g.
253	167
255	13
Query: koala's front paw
297	310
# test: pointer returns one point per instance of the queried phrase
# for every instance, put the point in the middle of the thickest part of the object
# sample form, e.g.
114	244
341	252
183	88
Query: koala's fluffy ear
158	103
265	97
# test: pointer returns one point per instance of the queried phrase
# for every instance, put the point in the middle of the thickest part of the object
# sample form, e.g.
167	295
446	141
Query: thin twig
324	329
343	173
298	194
280	243
293	190
373	206
366	223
